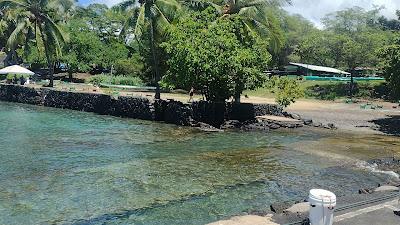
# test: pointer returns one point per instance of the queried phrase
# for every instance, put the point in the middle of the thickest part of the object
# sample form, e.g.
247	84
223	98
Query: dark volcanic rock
295	116
307	122
225	115
280	207
317	124
231	124
365	191
177	113
16	93
387	164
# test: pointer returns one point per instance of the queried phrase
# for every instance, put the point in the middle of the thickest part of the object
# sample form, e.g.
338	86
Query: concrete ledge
246	220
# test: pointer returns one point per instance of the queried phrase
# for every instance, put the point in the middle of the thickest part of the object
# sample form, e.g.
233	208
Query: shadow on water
390	125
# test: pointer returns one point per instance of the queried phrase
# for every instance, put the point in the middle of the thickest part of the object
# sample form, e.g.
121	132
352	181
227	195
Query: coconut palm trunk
50	63
153	53
155	17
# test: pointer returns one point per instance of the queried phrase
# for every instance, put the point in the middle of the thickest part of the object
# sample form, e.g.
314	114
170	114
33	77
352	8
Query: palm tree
255	15
34	22
155	15
7	26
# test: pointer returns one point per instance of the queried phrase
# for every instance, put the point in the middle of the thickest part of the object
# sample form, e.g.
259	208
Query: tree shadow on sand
390	125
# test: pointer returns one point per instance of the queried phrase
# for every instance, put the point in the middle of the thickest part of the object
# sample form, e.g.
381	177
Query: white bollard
322	205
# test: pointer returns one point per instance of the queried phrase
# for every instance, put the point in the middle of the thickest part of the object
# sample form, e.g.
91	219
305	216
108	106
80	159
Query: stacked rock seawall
168	111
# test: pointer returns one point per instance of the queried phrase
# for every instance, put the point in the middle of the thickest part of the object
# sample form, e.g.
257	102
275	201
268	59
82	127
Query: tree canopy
191	42
220	59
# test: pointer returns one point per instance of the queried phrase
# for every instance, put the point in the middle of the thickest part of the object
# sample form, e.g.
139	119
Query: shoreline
201	114
211	117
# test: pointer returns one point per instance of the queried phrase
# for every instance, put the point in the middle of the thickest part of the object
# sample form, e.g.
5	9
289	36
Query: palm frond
125	5
18	3
168	8
12	41
59	33
200	4
162	22
140	23
132	17
28	37
267	3
62	6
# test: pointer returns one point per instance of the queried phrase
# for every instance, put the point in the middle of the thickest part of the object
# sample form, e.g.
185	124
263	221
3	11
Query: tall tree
34	21
390	56
257	16
155	16
220	59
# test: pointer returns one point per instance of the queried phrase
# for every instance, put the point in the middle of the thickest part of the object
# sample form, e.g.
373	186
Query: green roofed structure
322	71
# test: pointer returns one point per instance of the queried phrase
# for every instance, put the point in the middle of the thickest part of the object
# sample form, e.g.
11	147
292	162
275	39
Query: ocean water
68	167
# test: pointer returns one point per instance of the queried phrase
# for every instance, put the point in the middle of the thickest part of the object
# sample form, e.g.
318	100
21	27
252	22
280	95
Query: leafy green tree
132	66
393	24
87	51
35	22
390	56
84	49
215	56
296	28
151	17
352	20
314	49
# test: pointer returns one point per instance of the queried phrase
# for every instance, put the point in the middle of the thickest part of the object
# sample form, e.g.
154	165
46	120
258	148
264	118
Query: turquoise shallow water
67	167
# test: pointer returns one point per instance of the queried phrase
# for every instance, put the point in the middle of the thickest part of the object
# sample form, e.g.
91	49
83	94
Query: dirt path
351	117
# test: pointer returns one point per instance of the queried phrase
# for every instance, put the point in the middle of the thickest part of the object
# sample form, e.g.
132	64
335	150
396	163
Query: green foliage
286	90
331	90
84	50
87	51
258	17
391	64
351	39
221	58
132	66
12	76
37	22
352	20
116	80
34	57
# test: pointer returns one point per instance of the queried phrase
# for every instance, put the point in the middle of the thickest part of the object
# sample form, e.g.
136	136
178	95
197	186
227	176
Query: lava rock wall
168	111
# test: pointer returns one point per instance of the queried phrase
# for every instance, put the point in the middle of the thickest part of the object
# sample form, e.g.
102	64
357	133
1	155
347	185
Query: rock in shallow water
280	207
301	208
386	188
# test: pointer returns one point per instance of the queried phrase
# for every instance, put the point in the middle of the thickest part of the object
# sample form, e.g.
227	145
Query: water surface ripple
67	167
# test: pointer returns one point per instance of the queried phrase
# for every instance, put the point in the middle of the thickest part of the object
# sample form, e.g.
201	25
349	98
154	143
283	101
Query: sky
314	10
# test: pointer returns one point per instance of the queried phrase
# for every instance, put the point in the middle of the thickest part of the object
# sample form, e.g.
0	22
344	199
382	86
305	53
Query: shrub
11	76
287	90
116	80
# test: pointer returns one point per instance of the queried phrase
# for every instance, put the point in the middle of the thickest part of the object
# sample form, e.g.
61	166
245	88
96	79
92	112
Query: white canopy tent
16	70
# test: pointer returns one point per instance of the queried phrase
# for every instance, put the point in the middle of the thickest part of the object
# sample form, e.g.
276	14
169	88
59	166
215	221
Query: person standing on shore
191	94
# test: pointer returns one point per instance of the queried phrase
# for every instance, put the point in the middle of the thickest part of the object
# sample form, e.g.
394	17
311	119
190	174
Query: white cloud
315	10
